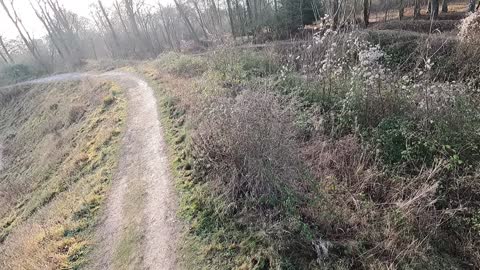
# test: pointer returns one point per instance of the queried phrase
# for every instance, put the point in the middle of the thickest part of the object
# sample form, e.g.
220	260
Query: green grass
64	172
128	251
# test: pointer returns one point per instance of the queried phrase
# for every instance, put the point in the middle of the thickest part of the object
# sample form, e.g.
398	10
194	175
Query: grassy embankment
60	148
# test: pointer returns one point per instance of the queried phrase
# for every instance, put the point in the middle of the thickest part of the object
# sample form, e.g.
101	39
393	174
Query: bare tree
416	9
199	18
401	10
471	6
444	6
131	14
24	34
109	23
187	20
230	17
366	12
434	9
8	58
336	13
3	58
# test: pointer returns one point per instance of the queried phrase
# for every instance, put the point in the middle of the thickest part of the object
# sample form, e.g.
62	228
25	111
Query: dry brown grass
248	146
382	221
60	150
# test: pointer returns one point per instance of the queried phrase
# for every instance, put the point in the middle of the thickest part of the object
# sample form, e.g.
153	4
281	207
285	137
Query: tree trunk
401	10
52	36
24	35
230	17
444	6
249	11
109	23
5	49
3	58
187	21
240	18
416	9
366	12
336	14
435	9
134	25
200	19
166	30
471	6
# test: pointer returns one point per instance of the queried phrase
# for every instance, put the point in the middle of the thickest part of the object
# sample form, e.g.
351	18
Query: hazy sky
34	26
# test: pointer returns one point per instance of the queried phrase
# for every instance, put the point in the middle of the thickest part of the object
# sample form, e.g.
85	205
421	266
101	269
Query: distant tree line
135	29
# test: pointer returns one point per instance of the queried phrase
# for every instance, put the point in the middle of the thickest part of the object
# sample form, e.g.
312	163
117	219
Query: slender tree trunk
3	58
230	17
471	6
416	9
53	36
385	7
109	23
217	14
134	25
200	19
187	21
336	13
93	49
366	12
166	30
24	35
240	17
401	10
435	8
249	11
444	6
5	49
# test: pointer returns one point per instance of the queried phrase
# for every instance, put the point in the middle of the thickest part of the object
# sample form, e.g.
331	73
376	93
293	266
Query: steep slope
60	143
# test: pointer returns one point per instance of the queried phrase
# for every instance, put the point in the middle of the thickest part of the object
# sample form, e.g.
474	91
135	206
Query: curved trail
142	168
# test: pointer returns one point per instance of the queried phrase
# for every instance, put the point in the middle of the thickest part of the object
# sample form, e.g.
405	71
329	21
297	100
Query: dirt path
138	229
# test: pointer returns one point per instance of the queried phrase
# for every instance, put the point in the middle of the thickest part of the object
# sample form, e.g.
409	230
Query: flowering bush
470	29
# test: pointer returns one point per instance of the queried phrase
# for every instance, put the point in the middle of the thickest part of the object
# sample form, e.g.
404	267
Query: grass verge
61	142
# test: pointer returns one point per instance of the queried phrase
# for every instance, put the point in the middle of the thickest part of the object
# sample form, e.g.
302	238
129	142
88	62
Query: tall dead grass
380	220
248	146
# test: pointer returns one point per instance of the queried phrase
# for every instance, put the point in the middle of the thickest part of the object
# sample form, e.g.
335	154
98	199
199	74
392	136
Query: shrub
181	64
371	219
17	72
238	67
247	146
470	28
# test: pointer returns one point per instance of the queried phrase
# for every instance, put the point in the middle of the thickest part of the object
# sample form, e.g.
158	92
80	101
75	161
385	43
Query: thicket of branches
135	29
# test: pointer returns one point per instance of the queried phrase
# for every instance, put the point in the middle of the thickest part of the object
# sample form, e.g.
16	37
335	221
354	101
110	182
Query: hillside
60	145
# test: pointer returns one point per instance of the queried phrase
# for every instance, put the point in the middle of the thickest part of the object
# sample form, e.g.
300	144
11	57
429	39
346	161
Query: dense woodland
133	29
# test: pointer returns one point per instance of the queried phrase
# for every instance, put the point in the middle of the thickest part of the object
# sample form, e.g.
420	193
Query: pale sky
34	26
